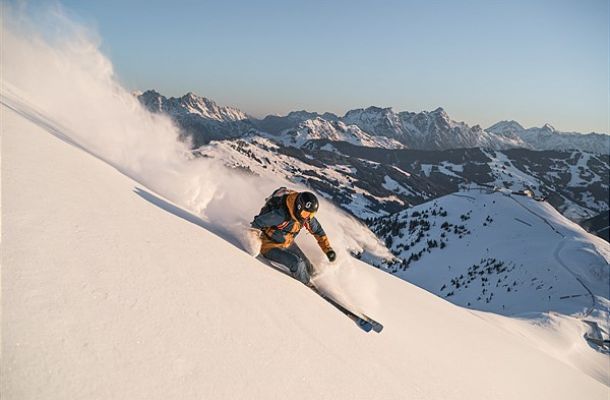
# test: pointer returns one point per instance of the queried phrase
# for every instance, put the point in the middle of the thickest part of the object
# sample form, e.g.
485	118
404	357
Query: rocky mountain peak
548	127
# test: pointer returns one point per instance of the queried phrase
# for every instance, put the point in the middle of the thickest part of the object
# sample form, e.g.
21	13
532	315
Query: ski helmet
306	203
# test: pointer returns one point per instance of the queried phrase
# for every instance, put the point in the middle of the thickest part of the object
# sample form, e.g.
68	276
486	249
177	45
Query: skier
280	220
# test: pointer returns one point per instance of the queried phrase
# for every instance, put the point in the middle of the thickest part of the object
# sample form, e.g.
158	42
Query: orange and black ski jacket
280	226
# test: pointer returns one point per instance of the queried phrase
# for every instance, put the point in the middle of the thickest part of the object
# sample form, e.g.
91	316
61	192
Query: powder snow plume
55	75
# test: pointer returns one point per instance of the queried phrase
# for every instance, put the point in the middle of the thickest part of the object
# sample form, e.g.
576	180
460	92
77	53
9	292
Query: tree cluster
482	272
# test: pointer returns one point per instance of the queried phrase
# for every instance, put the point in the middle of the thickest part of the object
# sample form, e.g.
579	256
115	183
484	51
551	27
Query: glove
331	255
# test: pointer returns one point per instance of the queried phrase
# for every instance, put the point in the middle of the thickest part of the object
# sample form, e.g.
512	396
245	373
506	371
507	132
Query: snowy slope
109	291
125	275
510	255
447	236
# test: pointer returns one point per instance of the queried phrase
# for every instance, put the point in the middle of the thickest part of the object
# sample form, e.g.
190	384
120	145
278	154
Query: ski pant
294	259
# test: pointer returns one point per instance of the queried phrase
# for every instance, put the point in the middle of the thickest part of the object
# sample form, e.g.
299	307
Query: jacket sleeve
271	218
314	227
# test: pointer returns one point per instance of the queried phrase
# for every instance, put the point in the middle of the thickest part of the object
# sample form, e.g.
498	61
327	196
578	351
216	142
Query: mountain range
204	120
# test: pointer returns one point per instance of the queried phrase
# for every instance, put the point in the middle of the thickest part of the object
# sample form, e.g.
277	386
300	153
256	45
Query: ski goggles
306	214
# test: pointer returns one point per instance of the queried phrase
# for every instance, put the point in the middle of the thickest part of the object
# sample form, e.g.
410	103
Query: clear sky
483	61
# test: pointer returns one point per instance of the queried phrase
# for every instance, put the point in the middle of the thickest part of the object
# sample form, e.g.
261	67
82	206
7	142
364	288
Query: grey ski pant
294	259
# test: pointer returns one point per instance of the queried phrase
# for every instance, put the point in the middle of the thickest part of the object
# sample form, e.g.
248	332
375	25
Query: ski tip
377	327
365	325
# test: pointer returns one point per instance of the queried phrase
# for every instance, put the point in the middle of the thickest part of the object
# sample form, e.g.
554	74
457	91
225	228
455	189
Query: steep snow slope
109	291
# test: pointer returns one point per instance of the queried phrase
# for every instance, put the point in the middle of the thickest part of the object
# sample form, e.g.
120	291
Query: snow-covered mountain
199	117
547	138
319	128
190	104
275	124
506	254
426	130
462	247
203	120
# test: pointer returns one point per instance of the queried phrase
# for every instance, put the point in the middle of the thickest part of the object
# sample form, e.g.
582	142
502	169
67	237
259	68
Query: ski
363	321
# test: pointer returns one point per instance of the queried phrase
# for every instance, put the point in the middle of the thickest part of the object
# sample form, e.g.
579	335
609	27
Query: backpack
276	200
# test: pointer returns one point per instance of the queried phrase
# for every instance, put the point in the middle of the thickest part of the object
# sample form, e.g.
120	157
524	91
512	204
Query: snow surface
125	273
111	291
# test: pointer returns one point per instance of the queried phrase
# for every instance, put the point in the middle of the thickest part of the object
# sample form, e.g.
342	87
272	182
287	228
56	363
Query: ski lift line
523	222
539	216
571	296
463	195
